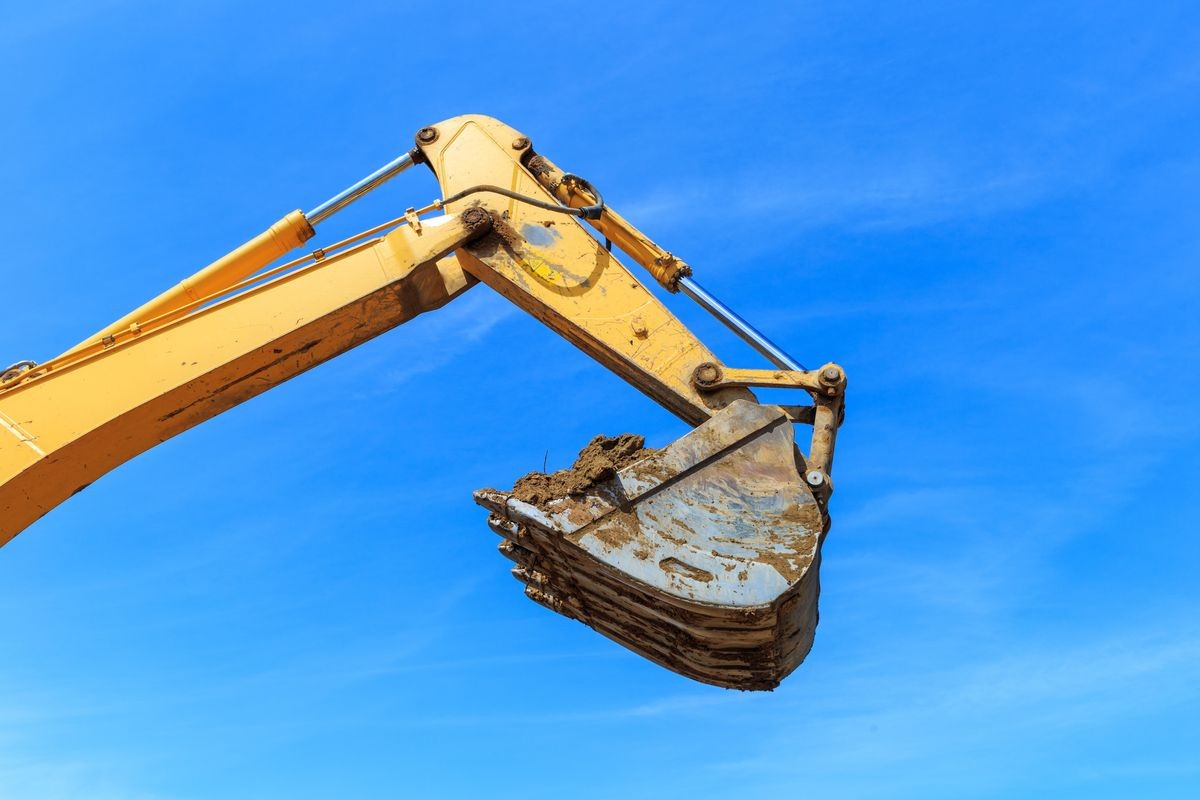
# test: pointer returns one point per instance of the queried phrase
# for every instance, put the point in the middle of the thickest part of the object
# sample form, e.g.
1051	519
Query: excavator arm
702	556
70	420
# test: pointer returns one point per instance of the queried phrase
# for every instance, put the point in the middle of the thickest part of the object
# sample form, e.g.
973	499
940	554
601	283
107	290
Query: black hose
585	212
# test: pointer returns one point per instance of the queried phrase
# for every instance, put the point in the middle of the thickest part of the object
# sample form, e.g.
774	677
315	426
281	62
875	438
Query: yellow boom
713	572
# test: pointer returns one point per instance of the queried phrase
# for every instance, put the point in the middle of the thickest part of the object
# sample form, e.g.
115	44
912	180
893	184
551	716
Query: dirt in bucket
597	462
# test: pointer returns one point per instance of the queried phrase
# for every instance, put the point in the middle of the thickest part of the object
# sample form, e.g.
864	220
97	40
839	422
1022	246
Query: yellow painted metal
222	336
278	240
63	427
554	269
666	268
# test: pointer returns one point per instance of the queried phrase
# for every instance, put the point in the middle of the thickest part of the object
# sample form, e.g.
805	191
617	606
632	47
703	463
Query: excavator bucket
701	556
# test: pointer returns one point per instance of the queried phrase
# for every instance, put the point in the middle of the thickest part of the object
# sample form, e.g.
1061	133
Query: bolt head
831	374
814	478
427	135
707	374
477	219
520	143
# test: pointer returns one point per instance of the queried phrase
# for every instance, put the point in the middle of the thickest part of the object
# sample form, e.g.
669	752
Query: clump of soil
598	462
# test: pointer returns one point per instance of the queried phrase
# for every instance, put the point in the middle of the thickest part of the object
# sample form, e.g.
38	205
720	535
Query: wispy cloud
676	707
908	191
60	779
872	738
433	340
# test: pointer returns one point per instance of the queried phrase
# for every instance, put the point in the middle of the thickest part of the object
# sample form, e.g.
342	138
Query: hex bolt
831	374
427	135
520	143
707	374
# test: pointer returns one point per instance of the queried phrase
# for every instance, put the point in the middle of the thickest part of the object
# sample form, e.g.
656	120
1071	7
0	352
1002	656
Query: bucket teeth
531	577
506	528
702	557
517	554
561	605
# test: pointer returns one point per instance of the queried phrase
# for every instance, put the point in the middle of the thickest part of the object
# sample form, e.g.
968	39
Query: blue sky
986	212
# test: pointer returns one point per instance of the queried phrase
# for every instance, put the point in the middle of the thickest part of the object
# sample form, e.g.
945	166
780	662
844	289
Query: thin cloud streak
1040	694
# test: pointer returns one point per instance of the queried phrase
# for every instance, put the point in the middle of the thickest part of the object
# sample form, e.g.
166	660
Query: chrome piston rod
735	323
367	184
